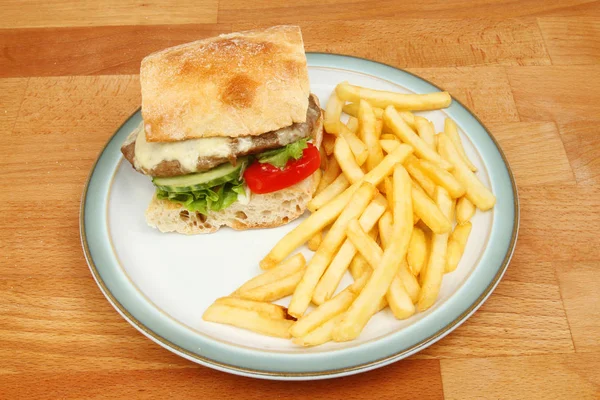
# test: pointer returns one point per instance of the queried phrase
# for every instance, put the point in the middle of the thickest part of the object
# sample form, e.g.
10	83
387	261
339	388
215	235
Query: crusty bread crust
263	211
239	84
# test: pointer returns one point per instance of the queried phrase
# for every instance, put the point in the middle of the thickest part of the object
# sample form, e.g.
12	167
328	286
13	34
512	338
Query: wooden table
529	69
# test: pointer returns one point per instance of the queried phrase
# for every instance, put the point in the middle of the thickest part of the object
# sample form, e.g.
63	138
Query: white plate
162	283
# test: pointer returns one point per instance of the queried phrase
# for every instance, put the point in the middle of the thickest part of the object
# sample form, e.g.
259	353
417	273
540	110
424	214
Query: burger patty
238	146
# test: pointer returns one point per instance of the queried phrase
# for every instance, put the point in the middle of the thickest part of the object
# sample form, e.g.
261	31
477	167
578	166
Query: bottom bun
263	211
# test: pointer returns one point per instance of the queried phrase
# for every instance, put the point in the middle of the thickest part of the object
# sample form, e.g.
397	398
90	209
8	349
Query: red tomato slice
265	178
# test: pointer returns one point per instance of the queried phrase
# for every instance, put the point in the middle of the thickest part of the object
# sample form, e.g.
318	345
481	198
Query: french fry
322	313
464	210
388	136
476	192
315	241
333	111
442	177
328	309
358	148
367	302
327	214
364	244
336	187
408	280
331	173
388	145
432	280
346	160
352	124
407	135
324	159
456	245
273	311
408	117
383	99
389	192
396	294
417	251
340	263
374	233
331	243
358	266
367	123
328	142
378	129
419	176
451	131
352	110
385	226
282	270
320	335
430	213
425	131
248	319
274	290
316	176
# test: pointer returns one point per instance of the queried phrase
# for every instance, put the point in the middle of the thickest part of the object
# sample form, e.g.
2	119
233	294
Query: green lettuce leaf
280	157
213	199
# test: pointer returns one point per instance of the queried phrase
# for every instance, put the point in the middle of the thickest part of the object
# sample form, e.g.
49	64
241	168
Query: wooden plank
560	223
62	126
70	118
559	93
283	11
520	141
572	41
539	377
12	92
96	50
82	108
41	237
50	323
484	90
118	50
416	378
579	283
36	14
582	144
523	316
408	42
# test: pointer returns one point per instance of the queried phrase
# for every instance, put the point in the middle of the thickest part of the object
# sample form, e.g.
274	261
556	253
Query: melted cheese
149	154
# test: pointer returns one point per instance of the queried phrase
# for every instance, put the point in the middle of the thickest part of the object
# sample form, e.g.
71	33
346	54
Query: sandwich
230	133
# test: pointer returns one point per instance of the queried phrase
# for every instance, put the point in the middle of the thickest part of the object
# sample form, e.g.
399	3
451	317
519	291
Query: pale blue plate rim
135	308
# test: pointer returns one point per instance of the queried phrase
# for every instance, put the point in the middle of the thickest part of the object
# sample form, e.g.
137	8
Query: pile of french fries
393	207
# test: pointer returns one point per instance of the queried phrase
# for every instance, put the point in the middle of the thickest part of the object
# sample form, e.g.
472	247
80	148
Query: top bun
238	84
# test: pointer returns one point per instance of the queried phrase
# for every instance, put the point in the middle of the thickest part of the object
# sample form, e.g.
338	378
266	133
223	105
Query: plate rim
360	367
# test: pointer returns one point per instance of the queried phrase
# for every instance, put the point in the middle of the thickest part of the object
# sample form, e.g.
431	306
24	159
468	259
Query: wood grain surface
529	69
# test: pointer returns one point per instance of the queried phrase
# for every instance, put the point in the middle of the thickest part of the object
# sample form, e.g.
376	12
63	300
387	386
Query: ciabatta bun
263	211
239	84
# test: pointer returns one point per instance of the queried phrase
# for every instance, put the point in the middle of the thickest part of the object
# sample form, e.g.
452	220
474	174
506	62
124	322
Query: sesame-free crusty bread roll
238	84
263	211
